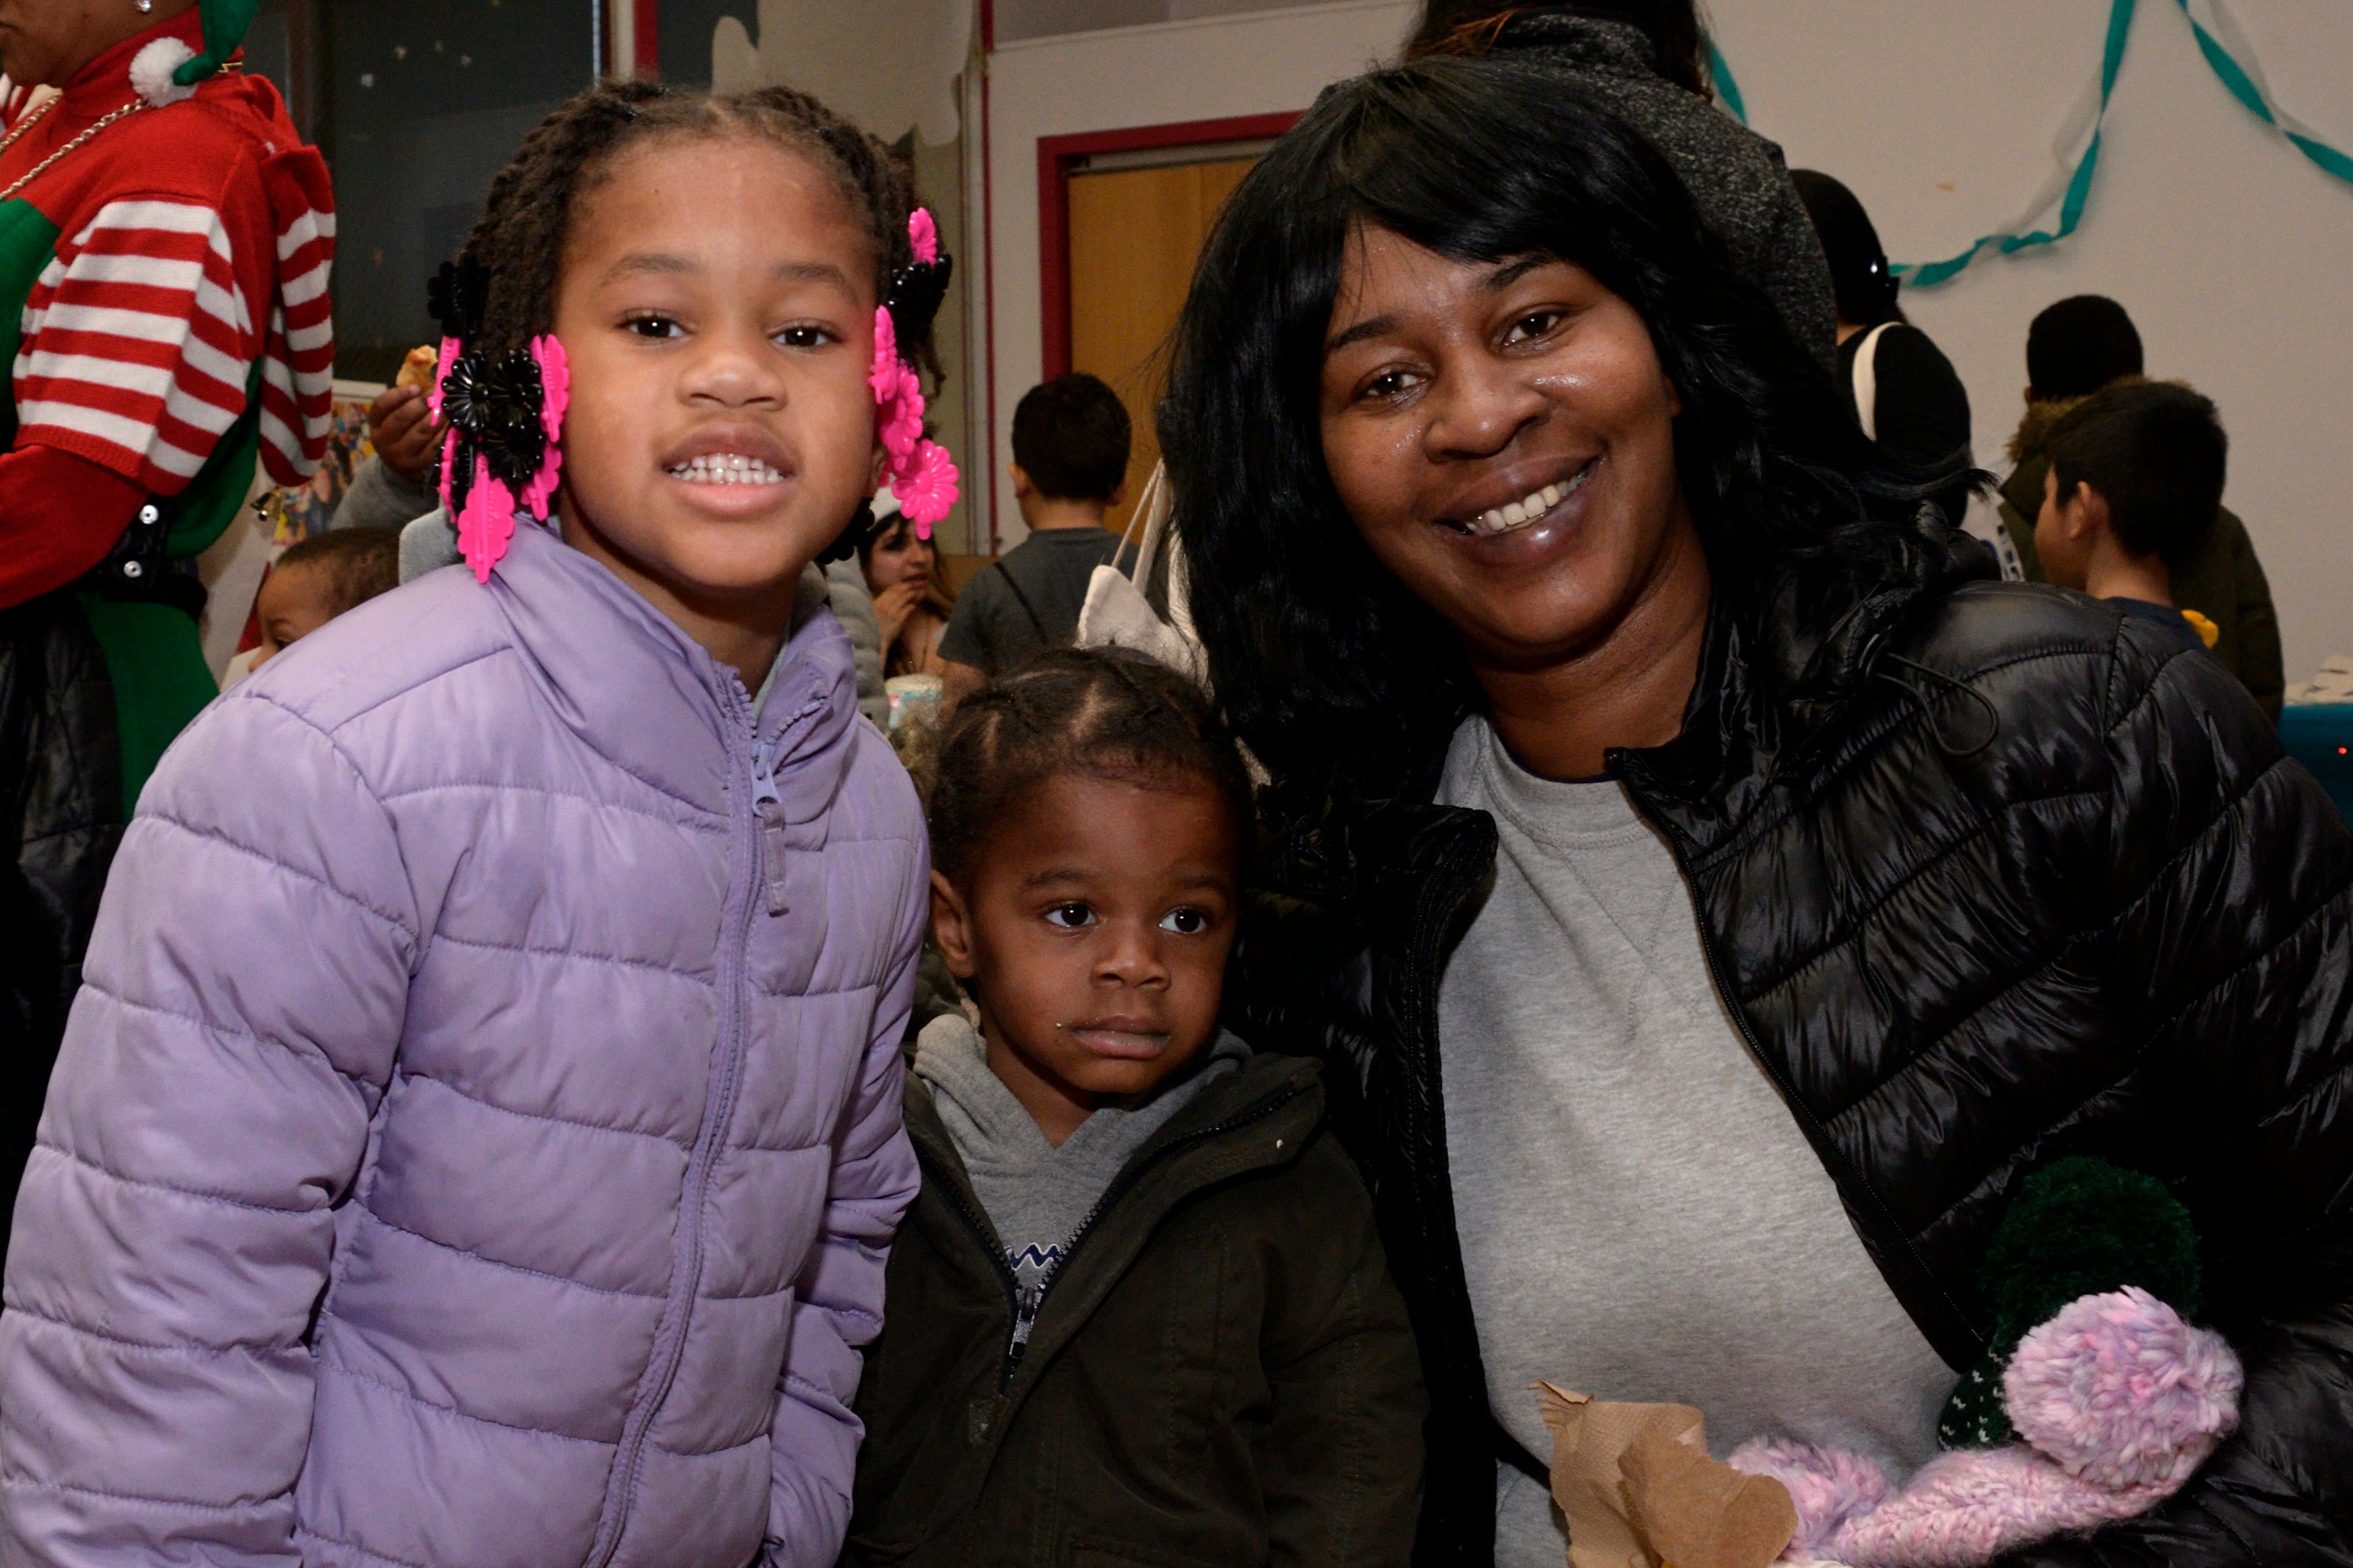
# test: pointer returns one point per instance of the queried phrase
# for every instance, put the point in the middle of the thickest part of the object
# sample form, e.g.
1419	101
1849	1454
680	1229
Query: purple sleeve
242	999
814	1452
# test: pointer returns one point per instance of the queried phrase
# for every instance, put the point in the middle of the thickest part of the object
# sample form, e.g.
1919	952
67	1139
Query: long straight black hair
1328	667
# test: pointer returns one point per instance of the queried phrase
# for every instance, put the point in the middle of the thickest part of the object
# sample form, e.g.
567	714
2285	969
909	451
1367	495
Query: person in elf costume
164	245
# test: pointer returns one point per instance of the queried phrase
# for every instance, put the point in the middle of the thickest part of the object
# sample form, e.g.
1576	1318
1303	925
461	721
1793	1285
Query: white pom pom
152	68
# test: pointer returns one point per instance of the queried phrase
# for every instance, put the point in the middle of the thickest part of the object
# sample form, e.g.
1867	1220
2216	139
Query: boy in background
1070	443
2078	347
2136	474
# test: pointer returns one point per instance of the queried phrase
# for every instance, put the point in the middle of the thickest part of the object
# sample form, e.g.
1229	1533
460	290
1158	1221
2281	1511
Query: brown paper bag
1640	1490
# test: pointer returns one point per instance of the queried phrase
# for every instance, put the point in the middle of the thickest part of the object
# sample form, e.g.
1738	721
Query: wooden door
1135	236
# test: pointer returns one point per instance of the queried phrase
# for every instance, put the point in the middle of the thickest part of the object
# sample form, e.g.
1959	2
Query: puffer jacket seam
1863	1095
489	1262
713	822
2148	693
75	830
335	1363
613	959
186	1505
187	1348
304	1533
424	683
164	819
472	1098
2158	880
1857	754
195	1194
763	1439
2343	1074
292	1047
812	993
1860	925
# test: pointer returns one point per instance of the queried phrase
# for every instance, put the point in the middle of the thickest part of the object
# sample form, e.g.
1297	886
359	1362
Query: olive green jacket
2219	576
1221	1374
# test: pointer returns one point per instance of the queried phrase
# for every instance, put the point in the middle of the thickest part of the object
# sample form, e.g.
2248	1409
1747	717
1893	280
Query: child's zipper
1025	1310
694	1199
769	803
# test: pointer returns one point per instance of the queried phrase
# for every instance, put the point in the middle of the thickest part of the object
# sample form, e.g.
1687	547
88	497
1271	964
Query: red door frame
1059	156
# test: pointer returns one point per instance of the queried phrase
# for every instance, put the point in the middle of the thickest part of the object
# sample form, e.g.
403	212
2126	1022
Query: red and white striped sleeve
298	366
138	342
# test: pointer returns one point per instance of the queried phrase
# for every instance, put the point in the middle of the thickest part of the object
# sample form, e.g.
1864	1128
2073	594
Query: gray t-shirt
1030	600
1641	1217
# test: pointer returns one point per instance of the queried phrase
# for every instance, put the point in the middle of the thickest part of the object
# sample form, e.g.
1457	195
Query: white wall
1212	69
2232	252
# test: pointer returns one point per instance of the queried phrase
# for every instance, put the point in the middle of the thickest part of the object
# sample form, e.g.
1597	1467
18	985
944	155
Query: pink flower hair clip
922	475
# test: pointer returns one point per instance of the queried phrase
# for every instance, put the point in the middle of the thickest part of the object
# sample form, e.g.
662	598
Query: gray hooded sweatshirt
1037	1196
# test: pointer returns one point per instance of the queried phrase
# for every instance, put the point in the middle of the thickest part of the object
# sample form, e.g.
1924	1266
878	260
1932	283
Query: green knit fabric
160	680
2079	1227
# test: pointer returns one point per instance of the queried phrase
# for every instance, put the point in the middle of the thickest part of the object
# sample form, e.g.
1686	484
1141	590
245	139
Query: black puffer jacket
2121	928
60	818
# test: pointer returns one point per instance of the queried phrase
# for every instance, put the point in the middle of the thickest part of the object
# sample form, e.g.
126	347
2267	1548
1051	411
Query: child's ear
877	467
951	927
2087	509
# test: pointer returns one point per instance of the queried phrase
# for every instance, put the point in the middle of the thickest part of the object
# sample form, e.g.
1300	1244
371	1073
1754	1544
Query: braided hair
1107	713
517	247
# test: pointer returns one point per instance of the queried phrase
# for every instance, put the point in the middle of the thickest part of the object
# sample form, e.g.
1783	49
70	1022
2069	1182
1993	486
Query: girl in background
533	1206
902	566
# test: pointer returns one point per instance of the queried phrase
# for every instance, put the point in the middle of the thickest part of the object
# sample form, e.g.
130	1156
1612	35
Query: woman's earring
144	5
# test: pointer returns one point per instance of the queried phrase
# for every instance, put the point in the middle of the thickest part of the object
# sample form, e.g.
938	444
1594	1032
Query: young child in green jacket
1139	1312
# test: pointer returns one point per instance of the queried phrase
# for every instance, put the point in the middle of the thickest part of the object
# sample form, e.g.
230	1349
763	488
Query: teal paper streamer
2234	77
1727	91
2241	86
1927	275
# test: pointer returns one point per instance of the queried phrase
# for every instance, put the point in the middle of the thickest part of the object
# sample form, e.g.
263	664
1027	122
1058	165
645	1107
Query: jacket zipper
718	1109
769	802
1025	1315
1816	1134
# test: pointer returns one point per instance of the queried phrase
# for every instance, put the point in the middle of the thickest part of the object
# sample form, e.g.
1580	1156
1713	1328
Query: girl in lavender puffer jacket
477	1143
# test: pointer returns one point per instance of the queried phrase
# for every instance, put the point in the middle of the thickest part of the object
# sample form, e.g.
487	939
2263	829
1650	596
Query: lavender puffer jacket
477	1143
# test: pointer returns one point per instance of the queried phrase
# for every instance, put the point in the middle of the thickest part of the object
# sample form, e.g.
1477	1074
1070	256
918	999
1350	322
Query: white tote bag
1117	613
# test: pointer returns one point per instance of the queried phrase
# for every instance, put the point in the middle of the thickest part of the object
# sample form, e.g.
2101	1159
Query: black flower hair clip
495	404
457	296
917	293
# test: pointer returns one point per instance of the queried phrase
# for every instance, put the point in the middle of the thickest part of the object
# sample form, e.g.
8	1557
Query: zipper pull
769	802
1025	1319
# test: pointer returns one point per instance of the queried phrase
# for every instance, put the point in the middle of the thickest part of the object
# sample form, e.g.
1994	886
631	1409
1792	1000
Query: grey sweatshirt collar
1037	1196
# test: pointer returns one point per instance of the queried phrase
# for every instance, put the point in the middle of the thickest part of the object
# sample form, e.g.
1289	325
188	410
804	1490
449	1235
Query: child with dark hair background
1070	445
2136	474
1140	1305
314	582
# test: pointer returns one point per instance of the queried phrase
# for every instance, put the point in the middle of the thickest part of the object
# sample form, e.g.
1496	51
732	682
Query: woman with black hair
1711	891
1903	390
1648	59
